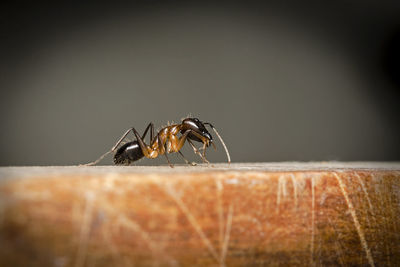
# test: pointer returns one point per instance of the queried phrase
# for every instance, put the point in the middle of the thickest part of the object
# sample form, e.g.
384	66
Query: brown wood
239	215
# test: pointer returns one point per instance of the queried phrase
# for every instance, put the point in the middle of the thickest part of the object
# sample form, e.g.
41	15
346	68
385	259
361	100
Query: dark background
281	81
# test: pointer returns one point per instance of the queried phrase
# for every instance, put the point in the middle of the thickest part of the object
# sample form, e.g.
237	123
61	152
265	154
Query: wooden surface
266	214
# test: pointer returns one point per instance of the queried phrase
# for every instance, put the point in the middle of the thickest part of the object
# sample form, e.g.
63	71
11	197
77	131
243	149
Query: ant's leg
142	144
111	150
127	132
184	138
204	150
169	162
165	151
119	142
121	139
196	151
187	162
151	127
138	138
152	136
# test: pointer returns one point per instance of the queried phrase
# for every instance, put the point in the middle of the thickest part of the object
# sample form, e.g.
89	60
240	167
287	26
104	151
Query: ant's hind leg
136	134
108	152
142	144
151	127
121	141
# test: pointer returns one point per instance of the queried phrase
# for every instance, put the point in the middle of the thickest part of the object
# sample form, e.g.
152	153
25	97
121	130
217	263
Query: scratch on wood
85	230
284	191
132	225
366	194
153	246
281	191
312	219
220	211
192	221
278	195
227	235
355	220
294	190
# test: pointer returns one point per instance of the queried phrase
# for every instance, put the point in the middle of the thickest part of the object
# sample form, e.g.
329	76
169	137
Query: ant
166	141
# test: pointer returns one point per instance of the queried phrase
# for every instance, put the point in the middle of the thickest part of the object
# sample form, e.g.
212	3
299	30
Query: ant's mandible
166	141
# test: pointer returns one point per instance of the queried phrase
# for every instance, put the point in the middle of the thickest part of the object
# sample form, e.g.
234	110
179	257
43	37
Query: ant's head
197	126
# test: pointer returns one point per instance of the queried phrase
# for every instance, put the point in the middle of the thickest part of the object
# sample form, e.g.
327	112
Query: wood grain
266	214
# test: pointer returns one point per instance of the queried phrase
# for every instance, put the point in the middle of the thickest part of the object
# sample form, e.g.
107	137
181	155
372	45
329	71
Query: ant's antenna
222	141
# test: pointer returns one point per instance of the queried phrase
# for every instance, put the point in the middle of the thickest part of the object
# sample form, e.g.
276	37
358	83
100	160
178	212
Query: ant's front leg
184	138
196	151
187	162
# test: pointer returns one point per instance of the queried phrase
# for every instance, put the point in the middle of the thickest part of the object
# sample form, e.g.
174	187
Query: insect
164	142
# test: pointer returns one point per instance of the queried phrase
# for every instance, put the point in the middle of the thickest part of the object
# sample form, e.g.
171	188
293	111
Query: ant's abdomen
128	153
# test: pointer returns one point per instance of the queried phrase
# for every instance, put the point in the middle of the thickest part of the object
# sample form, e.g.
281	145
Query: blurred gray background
295	81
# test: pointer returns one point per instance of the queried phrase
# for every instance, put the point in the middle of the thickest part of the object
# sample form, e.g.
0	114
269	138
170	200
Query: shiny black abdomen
128	153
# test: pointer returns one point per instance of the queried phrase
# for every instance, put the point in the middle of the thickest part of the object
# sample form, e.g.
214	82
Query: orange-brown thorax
167	141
